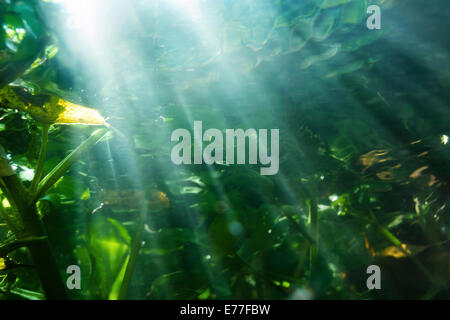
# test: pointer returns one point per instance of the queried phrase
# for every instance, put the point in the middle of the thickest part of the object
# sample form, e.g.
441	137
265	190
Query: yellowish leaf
75	114
86	195
396	252
54	111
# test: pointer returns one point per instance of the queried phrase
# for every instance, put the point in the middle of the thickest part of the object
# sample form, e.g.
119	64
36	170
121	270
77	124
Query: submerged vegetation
91	92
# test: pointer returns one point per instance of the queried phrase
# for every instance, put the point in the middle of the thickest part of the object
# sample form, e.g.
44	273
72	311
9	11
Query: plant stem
313	220
40	165
300	228
19	243
61	167
396	241
40	251
135	246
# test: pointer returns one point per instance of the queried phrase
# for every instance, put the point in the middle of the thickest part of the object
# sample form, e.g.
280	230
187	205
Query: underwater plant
19	208
360	176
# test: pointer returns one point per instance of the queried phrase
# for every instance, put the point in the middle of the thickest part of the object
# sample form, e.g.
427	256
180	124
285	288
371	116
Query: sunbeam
224	149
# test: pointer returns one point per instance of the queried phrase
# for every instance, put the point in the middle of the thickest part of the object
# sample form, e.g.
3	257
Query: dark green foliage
362	126
22	38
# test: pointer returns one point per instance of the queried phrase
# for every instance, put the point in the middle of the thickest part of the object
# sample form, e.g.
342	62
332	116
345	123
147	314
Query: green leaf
109	245
28	294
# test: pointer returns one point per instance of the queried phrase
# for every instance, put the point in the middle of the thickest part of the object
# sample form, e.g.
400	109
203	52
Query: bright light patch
189	7
322	207
26	174
333	197
5	203
444	139
84	16
15	34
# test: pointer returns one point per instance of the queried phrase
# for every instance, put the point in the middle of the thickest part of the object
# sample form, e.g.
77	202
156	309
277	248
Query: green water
363	165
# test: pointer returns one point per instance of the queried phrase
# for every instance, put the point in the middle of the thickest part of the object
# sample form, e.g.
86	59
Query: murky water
362	164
